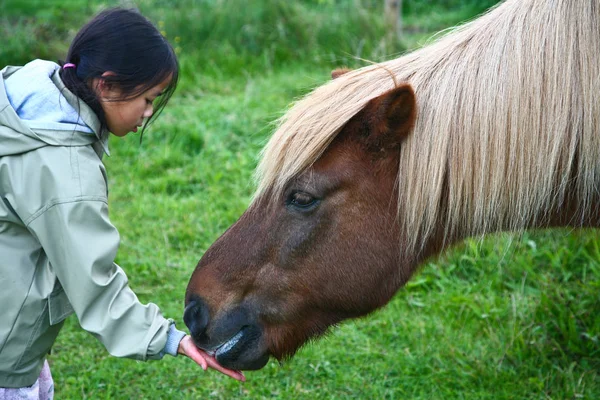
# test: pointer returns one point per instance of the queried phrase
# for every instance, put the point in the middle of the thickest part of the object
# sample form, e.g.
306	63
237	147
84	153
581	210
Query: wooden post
393	16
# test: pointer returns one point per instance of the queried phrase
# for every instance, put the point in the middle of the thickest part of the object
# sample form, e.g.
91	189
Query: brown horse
495	127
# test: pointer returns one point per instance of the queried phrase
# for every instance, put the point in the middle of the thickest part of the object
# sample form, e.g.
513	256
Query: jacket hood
37	110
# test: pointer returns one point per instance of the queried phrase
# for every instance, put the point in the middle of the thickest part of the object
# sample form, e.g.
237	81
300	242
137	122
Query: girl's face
124	116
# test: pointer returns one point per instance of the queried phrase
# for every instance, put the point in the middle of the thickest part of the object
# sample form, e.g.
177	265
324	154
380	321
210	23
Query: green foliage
38	29
223	40
500	318
273	32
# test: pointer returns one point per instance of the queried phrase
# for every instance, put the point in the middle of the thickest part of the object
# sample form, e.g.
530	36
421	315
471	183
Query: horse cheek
295	246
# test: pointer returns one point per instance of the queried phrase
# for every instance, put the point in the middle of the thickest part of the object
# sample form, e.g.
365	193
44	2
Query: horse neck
570	214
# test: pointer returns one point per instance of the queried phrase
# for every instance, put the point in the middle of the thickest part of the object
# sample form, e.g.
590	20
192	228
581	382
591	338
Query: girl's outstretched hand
189	349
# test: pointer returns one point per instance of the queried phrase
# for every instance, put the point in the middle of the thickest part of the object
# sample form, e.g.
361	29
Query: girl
57	244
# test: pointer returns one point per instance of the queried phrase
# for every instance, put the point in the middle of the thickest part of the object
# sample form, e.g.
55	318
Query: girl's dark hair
126	43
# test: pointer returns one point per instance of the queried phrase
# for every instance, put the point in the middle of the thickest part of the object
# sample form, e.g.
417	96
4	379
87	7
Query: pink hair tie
69	65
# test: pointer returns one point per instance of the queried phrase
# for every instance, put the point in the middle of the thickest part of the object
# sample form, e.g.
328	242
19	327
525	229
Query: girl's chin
120	134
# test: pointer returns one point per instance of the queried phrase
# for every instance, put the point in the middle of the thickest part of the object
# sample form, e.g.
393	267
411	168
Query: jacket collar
87	115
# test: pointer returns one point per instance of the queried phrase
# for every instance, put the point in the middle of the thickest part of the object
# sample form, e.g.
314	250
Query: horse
492	127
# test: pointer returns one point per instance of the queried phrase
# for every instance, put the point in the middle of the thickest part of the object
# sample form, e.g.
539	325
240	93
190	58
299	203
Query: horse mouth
225	346
243	351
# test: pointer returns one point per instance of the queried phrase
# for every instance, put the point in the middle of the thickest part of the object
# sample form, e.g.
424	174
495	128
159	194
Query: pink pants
42	389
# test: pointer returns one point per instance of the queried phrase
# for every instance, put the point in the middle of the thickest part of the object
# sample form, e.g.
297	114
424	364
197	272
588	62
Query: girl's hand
189	349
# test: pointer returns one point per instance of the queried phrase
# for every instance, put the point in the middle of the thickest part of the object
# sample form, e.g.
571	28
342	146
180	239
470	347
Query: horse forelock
508	110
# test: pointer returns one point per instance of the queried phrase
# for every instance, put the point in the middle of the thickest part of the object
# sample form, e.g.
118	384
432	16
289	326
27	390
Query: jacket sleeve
81	245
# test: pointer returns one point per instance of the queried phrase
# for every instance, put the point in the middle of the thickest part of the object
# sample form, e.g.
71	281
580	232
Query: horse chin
244	351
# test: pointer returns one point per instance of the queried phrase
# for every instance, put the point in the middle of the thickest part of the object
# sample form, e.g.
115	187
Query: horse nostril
195	317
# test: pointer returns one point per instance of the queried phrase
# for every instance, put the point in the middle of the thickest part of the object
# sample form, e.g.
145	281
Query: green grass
502	318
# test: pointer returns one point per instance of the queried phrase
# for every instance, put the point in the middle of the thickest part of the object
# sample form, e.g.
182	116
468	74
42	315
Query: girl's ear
102	87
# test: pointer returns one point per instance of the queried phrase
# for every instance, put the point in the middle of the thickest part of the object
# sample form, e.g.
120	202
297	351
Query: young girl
57	244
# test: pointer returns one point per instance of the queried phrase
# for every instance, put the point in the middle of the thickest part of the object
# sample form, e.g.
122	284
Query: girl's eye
148	101
302	201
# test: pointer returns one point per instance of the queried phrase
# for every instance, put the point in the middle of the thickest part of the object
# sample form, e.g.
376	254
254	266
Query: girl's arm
81	245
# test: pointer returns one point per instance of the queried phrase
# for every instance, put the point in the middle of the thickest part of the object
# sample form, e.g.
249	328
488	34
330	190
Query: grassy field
502	318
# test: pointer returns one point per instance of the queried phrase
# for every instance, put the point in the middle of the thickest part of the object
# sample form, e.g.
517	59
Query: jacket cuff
174	336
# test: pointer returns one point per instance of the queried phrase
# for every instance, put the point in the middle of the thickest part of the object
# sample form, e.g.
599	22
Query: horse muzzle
235	339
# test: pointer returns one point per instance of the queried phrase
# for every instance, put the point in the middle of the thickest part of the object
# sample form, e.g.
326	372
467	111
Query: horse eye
302	200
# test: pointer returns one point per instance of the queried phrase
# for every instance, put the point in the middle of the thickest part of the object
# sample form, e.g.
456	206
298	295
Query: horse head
322	249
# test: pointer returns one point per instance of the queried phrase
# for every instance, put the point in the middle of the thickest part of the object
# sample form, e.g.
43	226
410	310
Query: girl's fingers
212	363
189	349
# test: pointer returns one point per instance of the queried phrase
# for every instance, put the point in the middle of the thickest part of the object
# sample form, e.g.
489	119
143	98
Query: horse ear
390	117
336	73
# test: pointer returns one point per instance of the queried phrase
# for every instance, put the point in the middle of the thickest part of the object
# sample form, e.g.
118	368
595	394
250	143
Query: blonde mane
508	114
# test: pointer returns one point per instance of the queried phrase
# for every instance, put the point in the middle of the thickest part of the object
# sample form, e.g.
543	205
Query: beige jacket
57	244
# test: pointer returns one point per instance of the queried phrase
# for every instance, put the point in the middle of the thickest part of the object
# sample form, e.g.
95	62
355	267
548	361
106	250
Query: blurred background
235	35
501	318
